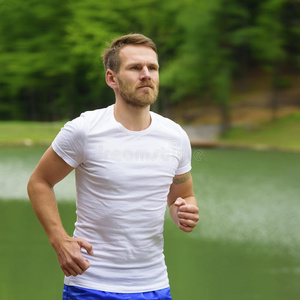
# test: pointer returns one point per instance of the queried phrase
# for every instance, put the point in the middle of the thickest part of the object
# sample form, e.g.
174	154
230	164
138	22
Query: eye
153	68
134	68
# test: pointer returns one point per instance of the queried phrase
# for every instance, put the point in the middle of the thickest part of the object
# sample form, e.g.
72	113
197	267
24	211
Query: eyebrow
150	64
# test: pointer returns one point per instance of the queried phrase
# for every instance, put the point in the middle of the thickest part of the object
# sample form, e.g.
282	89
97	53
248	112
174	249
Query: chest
131	164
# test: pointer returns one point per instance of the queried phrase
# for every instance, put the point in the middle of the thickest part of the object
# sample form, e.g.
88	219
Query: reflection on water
16	166
250	196
242	195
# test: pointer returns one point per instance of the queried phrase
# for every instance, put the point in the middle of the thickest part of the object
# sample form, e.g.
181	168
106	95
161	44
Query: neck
131	117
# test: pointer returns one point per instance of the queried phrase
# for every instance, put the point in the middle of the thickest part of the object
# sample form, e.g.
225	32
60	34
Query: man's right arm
50	170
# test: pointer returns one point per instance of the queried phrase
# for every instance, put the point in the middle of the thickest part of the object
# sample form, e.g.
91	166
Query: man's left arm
182	203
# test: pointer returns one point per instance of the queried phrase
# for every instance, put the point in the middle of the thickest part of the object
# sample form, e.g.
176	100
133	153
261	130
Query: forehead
138	54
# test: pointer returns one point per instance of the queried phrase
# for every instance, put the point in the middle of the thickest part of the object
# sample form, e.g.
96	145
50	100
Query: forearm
191	200
44	204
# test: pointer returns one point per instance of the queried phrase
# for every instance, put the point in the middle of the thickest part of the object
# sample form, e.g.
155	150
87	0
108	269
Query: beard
137	97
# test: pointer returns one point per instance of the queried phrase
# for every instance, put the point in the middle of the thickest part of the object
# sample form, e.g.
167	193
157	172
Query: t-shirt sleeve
69	144
186	154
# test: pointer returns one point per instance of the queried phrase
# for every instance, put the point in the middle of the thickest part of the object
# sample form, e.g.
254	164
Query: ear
110	79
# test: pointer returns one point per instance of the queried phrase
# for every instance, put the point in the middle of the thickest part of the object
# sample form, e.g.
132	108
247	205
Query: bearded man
130	164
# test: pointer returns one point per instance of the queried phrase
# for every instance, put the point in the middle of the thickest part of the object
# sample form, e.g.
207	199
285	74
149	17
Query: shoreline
224	145
209	144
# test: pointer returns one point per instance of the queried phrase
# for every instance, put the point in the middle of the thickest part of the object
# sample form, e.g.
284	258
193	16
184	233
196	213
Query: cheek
157	83
126	84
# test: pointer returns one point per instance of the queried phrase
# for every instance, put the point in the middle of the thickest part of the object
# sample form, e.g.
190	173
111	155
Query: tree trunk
33	111
275	91
225	118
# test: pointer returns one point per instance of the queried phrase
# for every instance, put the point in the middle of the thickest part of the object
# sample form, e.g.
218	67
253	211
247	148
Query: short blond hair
110	56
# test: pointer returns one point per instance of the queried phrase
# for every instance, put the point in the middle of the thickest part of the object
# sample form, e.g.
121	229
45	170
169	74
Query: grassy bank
283	133
18	133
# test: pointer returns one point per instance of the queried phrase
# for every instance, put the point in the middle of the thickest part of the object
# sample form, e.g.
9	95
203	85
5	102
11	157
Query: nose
145	74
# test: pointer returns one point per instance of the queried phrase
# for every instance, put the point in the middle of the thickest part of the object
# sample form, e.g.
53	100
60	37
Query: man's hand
182	203
69	255
187	215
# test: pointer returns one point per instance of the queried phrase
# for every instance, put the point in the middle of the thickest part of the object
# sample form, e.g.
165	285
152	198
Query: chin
140	104
141	101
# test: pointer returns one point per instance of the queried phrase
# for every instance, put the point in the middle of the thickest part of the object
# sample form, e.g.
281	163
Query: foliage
50	51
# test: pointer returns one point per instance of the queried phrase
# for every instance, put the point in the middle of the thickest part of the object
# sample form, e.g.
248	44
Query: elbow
30	186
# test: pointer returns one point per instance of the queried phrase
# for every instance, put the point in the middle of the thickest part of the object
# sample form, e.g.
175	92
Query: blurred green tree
214	34
273	38
50	51
33	57
96	22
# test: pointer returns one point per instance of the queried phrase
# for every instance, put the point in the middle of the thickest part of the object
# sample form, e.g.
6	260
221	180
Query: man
130	163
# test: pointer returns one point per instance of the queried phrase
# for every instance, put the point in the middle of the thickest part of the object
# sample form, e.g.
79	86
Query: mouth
145	86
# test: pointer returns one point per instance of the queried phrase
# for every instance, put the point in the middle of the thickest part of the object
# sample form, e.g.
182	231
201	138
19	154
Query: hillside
253	122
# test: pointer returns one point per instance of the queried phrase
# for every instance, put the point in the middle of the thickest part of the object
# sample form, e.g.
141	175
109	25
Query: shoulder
70	143
80	127
90	119
94	116
168	126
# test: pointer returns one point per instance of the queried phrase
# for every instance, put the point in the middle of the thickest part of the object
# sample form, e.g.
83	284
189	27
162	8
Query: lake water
247	245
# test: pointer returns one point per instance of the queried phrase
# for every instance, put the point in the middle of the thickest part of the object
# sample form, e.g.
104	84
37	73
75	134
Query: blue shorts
77	293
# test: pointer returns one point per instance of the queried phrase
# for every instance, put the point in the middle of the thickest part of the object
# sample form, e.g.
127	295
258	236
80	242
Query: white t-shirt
122	180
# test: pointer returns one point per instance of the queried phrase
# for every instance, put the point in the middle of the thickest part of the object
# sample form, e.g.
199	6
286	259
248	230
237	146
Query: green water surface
245	247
